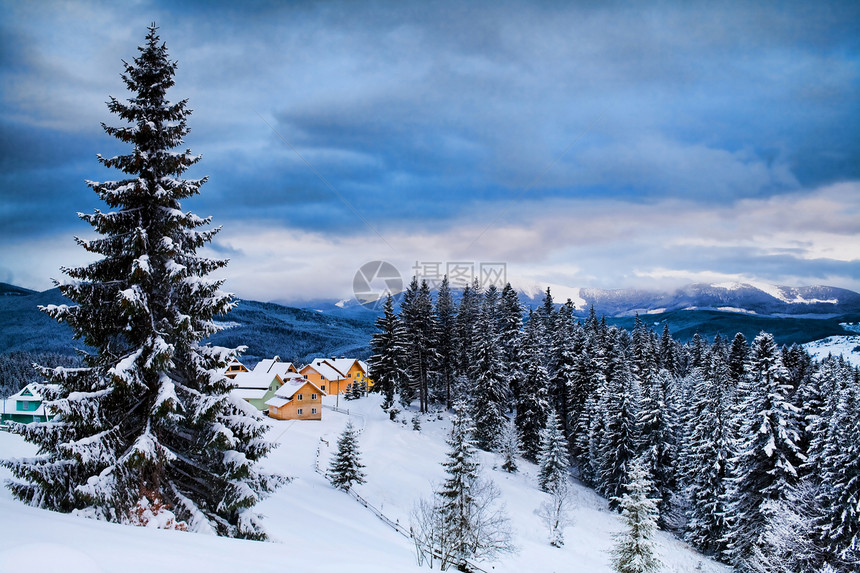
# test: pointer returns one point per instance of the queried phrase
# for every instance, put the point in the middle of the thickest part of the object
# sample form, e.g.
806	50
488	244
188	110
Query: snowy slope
845	346
318	528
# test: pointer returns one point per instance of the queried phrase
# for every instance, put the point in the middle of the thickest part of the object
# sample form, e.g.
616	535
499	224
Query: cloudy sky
588	144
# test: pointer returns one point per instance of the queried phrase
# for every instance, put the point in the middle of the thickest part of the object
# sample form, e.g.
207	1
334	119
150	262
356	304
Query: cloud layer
594	146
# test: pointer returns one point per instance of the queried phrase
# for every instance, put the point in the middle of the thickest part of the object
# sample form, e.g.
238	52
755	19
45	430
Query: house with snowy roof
261	383
276	366
336	375
234	368
25	406
297	399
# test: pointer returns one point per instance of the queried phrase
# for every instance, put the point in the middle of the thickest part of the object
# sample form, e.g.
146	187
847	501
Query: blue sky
587	144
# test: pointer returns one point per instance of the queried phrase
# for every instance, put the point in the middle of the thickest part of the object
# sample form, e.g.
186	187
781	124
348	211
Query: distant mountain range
767	300
754	299
792	314
267	329
344	328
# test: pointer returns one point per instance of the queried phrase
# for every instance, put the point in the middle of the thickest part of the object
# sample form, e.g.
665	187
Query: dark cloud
425	115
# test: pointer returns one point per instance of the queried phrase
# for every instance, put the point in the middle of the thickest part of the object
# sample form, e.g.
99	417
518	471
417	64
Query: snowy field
847	346
317	528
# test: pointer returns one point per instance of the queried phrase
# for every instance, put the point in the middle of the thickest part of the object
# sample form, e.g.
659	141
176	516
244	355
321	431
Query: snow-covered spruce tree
446	359
764	467
634	549
419	326
509	446
386	364
554	461
464	520
149	421
510	319
346	466
533	403
490	390
835	459
467	316
619	409
658	445
707	451
562	364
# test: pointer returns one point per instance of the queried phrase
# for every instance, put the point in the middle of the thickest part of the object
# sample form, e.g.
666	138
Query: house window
313	396
349	375
322	387
300	397
299	411
313	410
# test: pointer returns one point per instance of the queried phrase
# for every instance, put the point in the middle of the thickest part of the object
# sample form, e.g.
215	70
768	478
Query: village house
261	383
25	406
234	368
297	399
336	375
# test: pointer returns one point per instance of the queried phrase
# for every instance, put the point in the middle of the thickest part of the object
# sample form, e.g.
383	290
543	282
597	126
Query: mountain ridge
300	334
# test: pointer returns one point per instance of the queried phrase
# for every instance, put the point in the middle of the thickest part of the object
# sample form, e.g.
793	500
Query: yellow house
335	375
297	399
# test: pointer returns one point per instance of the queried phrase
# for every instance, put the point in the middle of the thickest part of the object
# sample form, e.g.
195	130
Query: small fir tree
634	549
346	466
148	423
553	462
509	446
463	522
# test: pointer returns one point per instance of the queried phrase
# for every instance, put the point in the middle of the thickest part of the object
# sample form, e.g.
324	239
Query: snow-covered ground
847	346
318	528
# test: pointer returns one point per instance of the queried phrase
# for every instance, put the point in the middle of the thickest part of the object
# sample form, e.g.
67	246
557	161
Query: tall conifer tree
764	468
490	394
386	364
149	421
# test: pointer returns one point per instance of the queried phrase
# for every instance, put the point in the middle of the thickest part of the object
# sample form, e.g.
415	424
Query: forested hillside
749	449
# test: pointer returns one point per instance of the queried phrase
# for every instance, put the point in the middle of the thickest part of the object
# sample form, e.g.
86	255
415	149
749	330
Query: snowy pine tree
509	446
562	363
708	449
346	466
835	460
634	549
764	468
554	461
149	421
446	349
467	315
658	445
464	522
420	330
386	364
619	411
533	403
510	318
490	390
